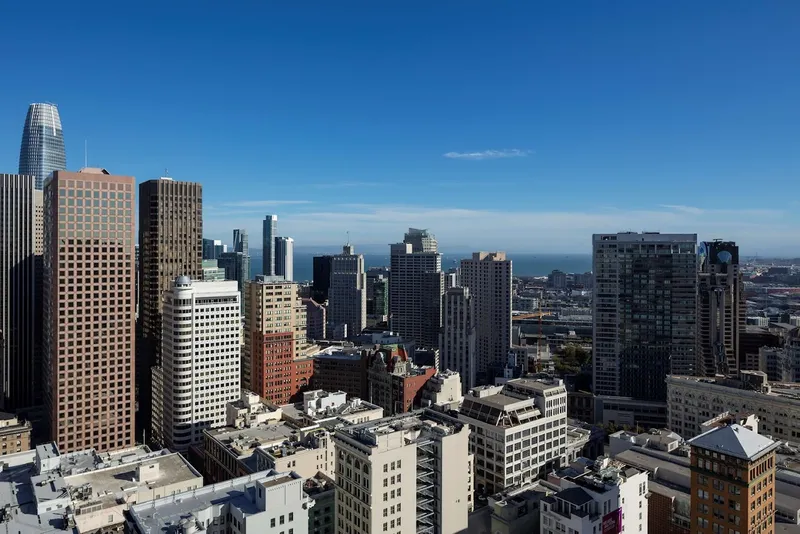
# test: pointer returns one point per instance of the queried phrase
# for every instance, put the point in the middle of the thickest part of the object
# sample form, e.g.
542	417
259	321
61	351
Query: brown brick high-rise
170	245
89	309
733	481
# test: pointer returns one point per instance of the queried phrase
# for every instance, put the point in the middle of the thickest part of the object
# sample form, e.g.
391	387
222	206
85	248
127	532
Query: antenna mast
85	152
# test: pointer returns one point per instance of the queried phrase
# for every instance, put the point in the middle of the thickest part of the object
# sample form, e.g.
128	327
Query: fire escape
426	491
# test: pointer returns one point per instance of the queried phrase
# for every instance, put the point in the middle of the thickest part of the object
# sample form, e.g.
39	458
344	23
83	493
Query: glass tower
42	150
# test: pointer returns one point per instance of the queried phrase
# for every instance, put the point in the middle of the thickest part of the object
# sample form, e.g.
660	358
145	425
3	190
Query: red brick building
393	381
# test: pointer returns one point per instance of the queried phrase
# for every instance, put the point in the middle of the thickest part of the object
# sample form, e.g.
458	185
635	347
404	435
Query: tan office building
89	309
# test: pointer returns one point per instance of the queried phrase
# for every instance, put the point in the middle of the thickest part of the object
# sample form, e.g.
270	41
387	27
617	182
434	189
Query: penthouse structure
86	491
266	501
409	473
519	431
599	496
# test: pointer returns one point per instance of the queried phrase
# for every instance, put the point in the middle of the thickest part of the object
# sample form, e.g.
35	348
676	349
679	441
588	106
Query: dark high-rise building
89	310
416	285
213	248
268	244
20	378
237	267
241	244
378	292
170	245
645	312
42	150
322	278
721	308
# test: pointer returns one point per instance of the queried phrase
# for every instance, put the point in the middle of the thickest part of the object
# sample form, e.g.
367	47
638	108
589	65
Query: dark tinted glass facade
42	150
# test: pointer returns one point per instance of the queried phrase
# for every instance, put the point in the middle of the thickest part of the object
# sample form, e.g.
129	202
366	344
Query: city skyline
580	141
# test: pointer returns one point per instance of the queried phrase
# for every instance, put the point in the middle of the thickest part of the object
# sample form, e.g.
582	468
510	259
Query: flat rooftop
243	441
425	420
156	516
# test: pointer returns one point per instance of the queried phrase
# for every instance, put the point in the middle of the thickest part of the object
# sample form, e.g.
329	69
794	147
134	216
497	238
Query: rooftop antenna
348	237
166	173
85	152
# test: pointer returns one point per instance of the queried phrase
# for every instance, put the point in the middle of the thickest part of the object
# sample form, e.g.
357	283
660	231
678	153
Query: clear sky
515	125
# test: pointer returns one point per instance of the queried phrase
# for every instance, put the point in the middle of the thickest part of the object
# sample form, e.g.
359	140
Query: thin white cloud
685	209
489	154
336	185
759	231
264	203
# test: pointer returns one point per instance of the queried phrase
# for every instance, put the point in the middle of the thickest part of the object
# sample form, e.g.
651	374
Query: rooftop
416	425
183	508
735	440
243	441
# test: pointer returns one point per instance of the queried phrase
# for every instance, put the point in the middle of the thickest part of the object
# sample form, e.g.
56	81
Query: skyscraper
644	312
322	278
89	281
170	245
457	344
273	341
415	294
268	244
488	277
421	240
42	150
721	308
347	298
284	258
236	266
196	386
241	243
213	248
19	317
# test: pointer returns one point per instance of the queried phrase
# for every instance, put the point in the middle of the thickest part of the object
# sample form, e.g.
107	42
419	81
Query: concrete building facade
644	312
201	361
89	309
347	295
407	473
488	277
15	435
170	245
458	336
519	431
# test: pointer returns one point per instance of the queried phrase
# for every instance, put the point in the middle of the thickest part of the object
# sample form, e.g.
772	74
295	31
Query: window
272	522
291	516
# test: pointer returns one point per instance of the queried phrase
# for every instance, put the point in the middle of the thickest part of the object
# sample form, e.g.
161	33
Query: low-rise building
320	406
251	410
85	491
15	435
519	431
517	511
694	400
337	369
407	473
264	502
443	391
595	497
394	383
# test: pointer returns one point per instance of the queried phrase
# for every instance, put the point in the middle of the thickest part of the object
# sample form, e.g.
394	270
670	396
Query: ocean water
523	264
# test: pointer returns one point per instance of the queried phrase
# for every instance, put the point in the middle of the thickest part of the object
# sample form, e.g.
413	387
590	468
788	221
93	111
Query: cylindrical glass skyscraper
42	150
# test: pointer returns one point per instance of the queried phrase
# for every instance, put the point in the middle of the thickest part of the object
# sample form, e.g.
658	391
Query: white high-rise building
284	258
607	496
347	294
201	360
407	473
457	343
421	240
488	277
416	285
519	431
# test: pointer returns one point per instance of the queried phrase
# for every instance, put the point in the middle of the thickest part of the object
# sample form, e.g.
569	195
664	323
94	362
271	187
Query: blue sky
523	126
